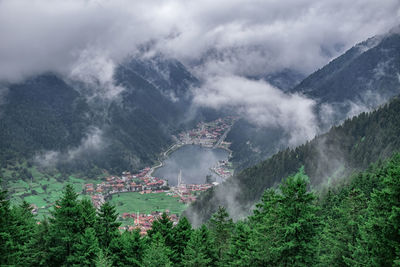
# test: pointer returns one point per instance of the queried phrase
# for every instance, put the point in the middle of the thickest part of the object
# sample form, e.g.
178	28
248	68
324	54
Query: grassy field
146	203
42	190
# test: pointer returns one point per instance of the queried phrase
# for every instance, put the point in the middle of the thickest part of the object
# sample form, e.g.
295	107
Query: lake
195	163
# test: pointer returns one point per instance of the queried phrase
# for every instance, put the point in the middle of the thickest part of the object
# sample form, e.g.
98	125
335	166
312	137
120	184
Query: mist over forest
207	133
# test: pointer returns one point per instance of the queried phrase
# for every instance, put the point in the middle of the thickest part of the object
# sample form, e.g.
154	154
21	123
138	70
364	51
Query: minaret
180	178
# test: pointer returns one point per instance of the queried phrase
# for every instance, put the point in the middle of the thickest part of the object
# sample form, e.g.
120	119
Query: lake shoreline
194	160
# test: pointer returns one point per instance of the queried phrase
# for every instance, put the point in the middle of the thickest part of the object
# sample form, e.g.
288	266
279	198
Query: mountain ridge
361	79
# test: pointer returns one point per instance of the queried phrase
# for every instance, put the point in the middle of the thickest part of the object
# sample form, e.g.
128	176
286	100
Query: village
143	222
143	184
223	169
211	134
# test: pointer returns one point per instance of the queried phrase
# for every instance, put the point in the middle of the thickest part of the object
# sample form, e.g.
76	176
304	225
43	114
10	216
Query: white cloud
220	40
261	104
248	37
96	71
93	142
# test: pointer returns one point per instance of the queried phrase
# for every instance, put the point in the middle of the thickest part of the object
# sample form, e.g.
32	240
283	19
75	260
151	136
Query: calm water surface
195	163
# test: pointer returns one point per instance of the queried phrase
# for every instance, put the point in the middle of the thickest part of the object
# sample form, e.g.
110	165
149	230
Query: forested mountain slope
170	76
373	65
55	121
351	146
363	78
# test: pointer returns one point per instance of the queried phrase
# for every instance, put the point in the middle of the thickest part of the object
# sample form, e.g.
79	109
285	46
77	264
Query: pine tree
181	236
127	249
163	225
102	260
156	255
86	250
38	248
195	254
65	227
341	229
288	234
88	214
210	249
221	227
106	225
380	241
5	235
239	253
22	227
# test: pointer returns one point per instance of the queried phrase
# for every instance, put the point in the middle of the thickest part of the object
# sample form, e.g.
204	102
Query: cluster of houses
223	169
97	200
143	222
187	193
140	182
207	134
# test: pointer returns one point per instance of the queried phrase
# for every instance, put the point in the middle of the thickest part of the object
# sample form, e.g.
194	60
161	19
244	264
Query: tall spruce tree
107	225
22	227
163	225
209	245
127	249
38	248
341	229
239	253
380	241
195	254
65	227
157	253
181	235
86	250
221	227
288	233
5	235
88	214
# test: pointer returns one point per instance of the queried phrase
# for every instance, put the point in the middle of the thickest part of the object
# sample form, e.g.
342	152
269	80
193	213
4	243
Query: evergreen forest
354	223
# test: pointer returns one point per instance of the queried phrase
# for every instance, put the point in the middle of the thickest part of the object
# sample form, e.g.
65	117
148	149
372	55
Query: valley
199	133
199	156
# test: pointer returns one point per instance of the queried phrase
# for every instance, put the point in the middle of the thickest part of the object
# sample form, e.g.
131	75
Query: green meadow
42	189
146	203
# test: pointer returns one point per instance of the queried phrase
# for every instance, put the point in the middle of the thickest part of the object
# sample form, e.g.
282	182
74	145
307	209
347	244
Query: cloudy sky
222	41
248	37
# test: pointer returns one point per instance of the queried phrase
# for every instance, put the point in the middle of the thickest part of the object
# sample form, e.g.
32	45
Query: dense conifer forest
354	223
349	147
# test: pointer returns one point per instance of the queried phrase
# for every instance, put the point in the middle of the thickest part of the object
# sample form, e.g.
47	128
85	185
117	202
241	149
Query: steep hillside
373	65
351	146
43	113
361	79
51	121
170	76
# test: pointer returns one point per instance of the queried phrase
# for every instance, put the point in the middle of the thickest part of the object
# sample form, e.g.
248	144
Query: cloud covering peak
239	37
262	104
